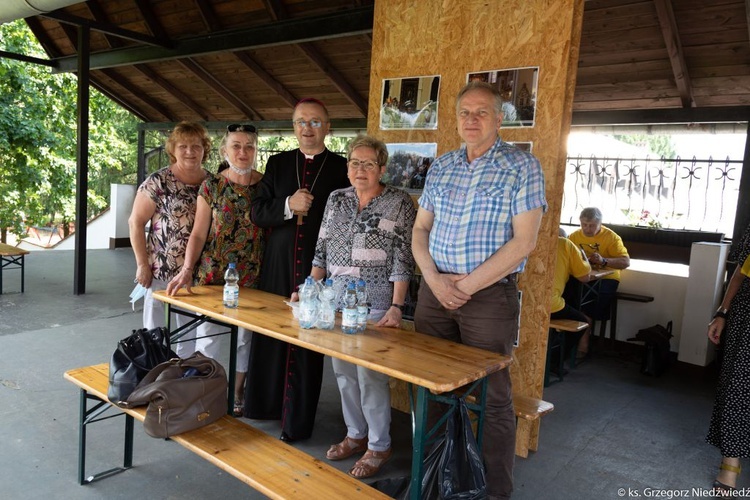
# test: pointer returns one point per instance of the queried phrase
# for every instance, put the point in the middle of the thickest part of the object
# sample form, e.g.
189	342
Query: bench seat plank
568	325
269	465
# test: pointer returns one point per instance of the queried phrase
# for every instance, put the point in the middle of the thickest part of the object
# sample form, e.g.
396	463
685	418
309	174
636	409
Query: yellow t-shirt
570	262
746	267
607	243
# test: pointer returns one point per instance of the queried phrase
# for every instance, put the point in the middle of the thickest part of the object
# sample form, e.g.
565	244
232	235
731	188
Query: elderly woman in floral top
167	200
366	234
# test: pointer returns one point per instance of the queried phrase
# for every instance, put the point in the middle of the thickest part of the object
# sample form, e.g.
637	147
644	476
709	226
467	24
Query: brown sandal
370	463
346	448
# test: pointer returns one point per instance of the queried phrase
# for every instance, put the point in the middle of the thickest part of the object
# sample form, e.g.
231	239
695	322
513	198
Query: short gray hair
367	141
591	213
485	87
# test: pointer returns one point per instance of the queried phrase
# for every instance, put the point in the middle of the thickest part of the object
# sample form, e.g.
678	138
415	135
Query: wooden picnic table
433	365
12	258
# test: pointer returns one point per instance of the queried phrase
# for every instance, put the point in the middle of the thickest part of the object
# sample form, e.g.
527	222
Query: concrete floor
612	427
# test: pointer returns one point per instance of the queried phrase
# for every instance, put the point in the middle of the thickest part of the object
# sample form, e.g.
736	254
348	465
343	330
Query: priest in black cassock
284	380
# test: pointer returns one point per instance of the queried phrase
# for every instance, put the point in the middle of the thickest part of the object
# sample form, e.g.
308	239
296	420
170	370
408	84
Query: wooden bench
528	413
11	258
267	464
557	329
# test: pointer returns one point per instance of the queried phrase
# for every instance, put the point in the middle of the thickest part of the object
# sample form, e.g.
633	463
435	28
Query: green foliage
38	140
659	144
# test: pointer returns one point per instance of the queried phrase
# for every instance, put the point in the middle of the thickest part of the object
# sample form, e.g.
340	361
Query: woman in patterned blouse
167	200
223	233
366	234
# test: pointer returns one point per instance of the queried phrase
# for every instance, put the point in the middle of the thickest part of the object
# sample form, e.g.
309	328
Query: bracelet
605	262
400	307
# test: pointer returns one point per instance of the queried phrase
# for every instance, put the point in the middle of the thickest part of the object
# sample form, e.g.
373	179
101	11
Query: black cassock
283	380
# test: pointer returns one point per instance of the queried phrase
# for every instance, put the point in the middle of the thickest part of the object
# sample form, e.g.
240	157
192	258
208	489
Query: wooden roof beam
144	98
266	77
343	23
152	22
336	78
63	17
208	15
100	16
278	12
185	99
220	89
674	48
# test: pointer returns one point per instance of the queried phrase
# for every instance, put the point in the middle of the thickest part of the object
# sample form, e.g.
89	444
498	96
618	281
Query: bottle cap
232	265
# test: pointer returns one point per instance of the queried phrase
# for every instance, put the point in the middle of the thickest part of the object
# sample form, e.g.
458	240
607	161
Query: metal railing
659	193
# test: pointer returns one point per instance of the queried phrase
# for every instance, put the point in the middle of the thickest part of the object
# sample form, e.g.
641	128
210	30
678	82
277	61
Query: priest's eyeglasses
311	123
367	166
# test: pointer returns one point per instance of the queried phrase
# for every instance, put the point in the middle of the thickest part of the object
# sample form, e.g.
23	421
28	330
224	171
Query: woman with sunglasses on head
366	234
223	233
167	199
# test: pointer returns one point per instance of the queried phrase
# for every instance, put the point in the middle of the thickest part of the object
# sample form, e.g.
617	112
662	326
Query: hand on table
391	319
183	278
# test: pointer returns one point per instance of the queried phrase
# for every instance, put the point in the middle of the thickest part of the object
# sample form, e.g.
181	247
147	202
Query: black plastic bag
400	487
461	470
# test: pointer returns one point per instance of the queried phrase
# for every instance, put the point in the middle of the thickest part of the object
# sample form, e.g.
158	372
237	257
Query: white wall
667	283
113	223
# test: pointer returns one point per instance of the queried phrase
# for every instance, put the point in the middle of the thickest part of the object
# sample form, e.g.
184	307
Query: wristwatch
400	307
721	313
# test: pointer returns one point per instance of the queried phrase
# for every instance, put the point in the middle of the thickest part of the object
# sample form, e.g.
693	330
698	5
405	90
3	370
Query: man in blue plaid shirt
478	219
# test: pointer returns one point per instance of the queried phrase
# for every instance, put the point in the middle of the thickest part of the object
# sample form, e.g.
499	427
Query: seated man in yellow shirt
571	261
604	250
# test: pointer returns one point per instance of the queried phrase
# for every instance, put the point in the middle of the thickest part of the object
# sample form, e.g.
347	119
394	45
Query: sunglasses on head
241	128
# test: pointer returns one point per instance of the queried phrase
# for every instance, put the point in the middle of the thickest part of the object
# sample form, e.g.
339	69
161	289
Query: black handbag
134	357
182	395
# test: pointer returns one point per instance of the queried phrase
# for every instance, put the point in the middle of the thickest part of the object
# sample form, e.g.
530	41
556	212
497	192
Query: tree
38	138
658	143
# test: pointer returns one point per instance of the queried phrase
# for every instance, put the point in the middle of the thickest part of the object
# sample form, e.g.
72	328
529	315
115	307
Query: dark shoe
284	437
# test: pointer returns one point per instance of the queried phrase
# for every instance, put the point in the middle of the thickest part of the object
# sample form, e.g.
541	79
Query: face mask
138	292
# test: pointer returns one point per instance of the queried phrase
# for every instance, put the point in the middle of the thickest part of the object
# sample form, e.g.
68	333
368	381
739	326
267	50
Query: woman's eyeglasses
367	166
311	123
241	128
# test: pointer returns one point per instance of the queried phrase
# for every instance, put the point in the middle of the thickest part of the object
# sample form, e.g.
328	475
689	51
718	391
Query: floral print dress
232	236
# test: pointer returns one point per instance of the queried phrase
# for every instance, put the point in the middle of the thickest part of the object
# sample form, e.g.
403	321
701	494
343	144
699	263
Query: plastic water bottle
349	313
327	311
362	306
308	303
231	288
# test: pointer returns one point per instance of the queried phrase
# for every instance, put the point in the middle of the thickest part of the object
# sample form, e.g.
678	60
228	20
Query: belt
511	278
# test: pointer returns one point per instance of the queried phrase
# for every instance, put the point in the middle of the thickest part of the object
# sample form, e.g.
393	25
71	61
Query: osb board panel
433	37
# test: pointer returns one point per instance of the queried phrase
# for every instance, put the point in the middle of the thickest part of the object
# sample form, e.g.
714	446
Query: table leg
232	367
22	273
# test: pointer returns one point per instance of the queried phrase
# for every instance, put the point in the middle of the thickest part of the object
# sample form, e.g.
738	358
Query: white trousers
365	401
210	346
154	315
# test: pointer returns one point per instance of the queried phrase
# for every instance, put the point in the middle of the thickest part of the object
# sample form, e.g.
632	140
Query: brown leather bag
182	395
